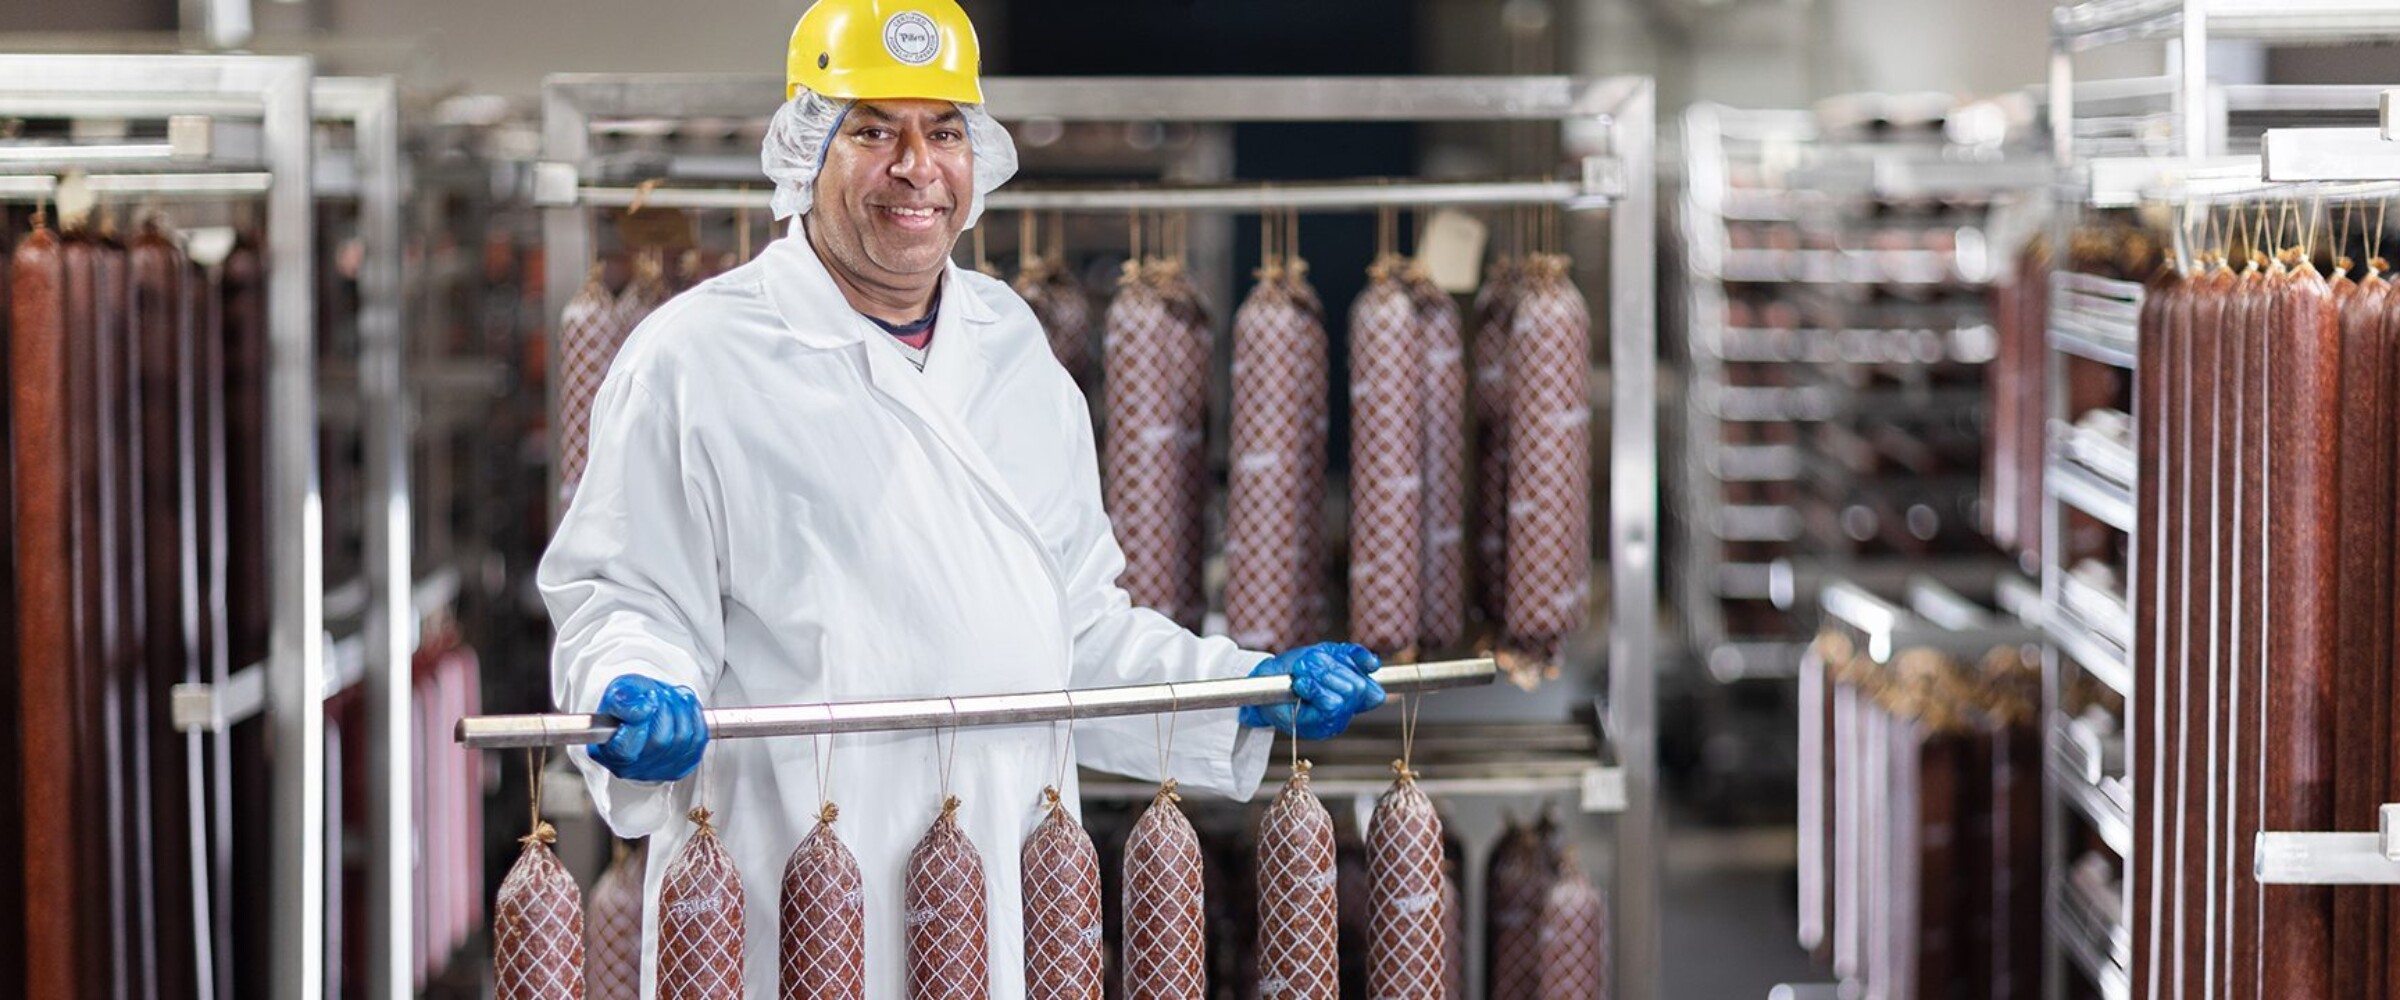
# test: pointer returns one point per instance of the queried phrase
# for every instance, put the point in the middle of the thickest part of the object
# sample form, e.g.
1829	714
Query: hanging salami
588	336
1574	937
1147	465
1062	908
1277	468
1517	881
537	925
700	921
1494	314
1548	564
1064	310
824	923
1441	464
1165	931
1386	491
1297	911
613	926
943	906
1404	938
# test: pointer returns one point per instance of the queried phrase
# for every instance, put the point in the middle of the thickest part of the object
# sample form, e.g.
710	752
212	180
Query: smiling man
851	470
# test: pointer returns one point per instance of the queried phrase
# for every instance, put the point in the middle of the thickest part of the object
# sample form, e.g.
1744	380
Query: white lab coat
780	509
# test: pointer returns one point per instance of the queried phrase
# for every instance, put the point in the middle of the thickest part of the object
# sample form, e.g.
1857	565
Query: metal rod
210	186
1360	196
491	732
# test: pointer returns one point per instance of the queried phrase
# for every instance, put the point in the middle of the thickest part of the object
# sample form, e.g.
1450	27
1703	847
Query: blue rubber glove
1330	681
660	733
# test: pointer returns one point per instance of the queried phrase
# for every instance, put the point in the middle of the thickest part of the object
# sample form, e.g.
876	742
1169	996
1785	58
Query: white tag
1451	251
75	200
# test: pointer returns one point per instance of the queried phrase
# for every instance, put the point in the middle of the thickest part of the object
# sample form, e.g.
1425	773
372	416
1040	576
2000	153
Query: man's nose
915	164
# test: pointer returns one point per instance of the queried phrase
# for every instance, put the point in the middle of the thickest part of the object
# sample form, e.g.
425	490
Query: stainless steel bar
371	107
1633	533
1352	197
491	732
206	186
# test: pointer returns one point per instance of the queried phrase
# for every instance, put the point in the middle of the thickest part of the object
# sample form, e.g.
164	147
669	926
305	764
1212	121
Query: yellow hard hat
871	49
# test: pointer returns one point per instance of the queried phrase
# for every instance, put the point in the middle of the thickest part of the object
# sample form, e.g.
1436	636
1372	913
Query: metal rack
243	128
1611	200
1780	174
2092	125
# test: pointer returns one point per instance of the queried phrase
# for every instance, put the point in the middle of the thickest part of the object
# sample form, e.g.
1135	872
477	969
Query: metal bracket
2333	858
555	184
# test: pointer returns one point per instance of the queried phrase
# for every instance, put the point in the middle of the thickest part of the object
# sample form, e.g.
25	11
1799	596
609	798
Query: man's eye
874	134
948	135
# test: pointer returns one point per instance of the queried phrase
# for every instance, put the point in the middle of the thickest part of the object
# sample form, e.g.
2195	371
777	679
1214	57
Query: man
850	470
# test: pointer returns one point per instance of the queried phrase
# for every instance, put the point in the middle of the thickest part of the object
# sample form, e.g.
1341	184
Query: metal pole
566	253
296	651
492	732
372	106
1632	536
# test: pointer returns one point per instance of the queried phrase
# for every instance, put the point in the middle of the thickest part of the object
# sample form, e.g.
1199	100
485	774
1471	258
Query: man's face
893	194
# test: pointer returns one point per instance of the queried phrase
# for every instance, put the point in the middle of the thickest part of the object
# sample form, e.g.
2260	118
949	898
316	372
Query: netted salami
1404	938
587	342
613	927
700	921
1495	311
1278	467
1518	880
537	926
1060	304
942	904
1062	908
824	926
1574	937
1441	464
1297	909
1548	565
1386	495
1150	448
1165	932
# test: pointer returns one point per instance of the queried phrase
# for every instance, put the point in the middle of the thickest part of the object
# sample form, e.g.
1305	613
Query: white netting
1165	927
1297	909
824	915
943	907
1062	911
1404	924
794	151
537	928
700	921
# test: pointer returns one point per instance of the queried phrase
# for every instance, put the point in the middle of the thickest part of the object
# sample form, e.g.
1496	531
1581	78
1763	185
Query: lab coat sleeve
1116	643
632	579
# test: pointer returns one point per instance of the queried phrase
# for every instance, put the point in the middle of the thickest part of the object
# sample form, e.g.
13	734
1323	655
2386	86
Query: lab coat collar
817	314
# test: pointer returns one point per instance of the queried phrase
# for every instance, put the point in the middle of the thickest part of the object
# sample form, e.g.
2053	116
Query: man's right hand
660	732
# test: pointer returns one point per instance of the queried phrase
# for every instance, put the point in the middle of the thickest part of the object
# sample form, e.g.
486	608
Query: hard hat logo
911	38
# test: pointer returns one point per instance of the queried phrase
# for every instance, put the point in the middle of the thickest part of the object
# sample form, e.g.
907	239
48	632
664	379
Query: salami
2304	415
1277	473
1149	451
1165	932
1441	464
1494	313
2363	672
943	907
588	336
537	926
1062	908
823	939
1404	937
1574	937
1548	564
1518	880
700	921
1060	304
1297	909
1386	486
613	927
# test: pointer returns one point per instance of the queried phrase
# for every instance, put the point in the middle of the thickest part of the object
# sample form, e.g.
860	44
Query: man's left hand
1330	683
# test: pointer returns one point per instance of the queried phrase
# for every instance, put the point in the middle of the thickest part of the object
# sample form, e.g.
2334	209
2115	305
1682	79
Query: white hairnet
794	151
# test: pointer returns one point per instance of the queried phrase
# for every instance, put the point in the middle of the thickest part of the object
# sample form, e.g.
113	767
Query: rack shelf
2104	661
2101	803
